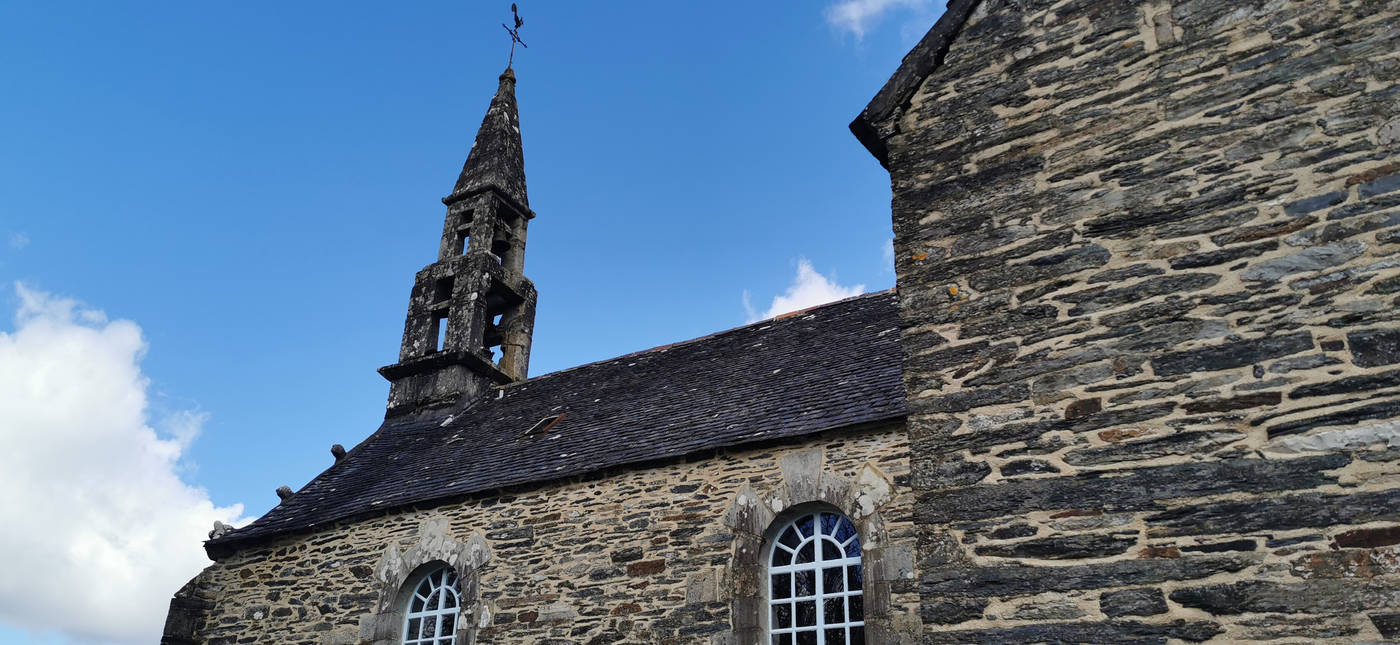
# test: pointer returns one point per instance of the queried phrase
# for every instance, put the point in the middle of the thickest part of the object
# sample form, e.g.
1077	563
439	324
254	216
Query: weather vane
514	34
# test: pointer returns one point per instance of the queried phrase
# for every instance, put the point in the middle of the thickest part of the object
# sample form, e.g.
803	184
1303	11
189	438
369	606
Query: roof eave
916	66
222	547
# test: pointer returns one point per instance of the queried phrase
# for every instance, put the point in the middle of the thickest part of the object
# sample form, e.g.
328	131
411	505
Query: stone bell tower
472	312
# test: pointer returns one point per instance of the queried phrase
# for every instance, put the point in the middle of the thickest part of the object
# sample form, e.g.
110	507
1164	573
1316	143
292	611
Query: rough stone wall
642	556
1148	257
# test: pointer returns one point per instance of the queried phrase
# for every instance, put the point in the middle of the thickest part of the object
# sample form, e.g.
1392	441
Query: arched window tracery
815	582
433	609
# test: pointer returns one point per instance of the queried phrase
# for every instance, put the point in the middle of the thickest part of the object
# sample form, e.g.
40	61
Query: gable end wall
1148	257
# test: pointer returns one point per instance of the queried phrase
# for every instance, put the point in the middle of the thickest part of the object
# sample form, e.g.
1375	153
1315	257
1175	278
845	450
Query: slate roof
829	367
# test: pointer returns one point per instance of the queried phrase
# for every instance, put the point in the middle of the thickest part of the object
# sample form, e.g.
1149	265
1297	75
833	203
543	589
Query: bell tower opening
471	314
439	332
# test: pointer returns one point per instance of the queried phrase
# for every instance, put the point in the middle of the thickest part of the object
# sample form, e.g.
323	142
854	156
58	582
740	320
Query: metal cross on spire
514	34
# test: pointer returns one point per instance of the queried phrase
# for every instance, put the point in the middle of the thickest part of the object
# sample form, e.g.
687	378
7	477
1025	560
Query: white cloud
99	531
18	241
857	16
808	289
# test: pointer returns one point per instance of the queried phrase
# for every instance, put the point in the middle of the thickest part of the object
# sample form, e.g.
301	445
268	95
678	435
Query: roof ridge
680	343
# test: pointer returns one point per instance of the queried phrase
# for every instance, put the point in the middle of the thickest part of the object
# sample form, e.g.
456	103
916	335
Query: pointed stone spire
472	313
497	159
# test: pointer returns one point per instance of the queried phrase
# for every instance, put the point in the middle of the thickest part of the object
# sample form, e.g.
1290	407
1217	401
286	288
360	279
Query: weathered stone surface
657	540
1231	355
1083	407
1131	271
1221	256
630	554
1262	231
1348	563
1127	489
1099	298
1385	286
1348	385
1386	184
948	473
1010	581
1169	309
1277	514
1078	521
1146	601
1013	531
1234	403
968	399
1062	548
1013	432
1235	163
1221	547
645	568
1305	206
1383	410
1083	632
1022	318
1310	259
1176	444
1372	347
1022	369
1302	363
949	611
1280	542
1368	538
1287	627
1040	268
1057	609
1027	467
1315	596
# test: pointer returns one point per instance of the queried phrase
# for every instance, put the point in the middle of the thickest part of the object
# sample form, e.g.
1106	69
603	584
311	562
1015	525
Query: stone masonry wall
640	556
1148	257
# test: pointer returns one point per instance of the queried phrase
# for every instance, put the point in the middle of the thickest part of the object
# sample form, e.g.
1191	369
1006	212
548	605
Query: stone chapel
1139	381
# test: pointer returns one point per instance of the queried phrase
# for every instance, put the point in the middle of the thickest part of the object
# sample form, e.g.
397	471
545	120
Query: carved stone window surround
397	573
806	486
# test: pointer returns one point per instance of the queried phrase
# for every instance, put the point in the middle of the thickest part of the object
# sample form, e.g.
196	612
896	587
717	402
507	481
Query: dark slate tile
829	367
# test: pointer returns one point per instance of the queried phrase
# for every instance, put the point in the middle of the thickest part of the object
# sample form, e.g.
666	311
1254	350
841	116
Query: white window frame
435	599
816	566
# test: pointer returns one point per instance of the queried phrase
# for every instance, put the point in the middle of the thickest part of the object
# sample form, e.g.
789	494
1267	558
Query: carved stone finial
338	451
284	492
220	529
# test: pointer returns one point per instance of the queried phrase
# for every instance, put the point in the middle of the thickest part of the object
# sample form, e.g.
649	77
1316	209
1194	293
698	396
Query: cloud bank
808	289
857	16
98	529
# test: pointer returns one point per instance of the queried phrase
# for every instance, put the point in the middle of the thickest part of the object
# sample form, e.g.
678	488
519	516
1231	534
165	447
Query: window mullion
820	600
819	594
442	582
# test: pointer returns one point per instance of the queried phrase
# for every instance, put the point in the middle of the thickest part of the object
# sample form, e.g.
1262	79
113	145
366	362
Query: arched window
815	590
431	618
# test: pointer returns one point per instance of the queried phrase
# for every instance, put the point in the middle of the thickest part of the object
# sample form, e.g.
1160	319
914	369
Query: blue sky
253	185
